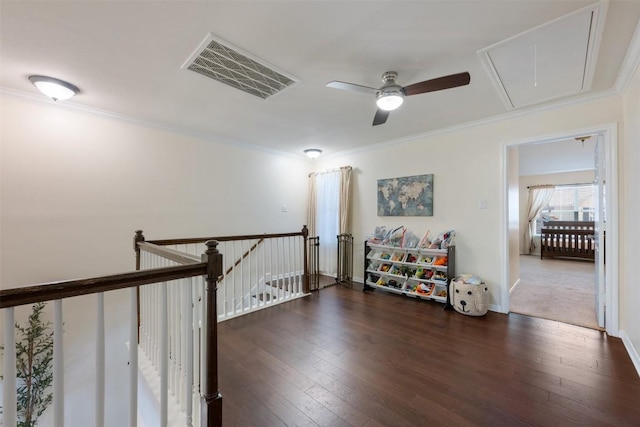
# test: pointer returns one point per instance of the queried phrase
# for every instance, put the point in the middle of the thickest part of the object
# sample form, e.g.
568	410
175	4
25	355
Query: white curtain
539	197
311	210
329	211
345	198
327	219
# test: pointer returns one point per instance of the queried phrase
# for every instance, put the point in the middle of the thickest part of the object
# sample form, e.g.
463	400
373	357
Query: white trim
630	63
612	297
575	100
580	99
633	353
71	106
610	134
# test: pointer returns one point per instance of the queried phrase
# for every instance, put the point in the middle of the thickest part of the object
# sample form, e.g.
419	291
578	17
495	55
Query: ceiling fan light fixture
313	153
390	99
55	89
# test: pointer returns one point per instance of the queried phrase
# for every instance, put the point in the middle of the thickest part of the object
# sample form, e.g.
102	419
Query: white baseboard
633	353
497	309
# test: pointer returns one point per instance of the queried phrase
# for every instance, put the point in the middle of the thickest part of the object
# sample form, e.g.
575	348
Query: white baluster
234	282
274	269
9	397
171	313
179	303
264	273
224	288
280	269
164	356
180	327
196	344
290	270
175	339
100	361
156	327
188	357
133	360
203	333
245	280
58	366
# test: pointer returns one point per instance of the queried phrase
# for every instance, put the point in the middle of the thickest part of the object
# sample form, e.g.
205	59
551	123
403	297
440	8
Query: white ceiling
569	155
126	57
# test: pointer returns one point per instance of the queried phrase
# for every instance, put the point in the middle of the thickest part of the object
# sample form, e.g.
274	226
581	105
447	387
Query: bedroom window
575	202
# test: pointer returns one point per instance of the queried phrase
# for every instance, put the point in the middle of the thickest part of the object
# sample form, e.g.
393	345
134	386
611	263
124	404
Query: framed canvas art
406	196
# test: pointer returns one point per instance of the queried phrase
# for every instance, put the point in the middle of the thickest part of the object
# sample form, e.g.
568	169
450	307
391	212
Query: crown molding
71	106
522	112
630	62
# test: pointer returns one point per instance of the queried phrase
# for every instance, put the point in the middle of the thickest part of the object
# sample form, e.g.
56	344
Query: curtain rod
330	170
577	184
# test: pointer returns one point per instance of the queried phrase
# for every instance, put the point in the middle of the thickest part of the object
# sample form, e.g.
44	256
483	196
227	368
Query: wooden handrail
73	288
304	233
210	266
244	255
190	240
173	255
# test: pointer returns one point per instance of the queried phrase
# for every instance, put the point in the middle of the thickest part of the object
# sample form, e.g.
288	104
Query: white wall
630	225
74	188
468	166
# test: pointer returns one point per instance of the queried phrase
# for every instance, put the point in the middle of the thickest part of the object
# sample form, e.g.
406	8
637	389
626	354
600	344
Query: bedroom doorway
604	281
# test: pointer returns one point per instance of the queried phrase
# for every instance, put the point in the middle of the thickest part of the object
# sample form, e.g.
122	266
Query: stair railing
260	270
156	281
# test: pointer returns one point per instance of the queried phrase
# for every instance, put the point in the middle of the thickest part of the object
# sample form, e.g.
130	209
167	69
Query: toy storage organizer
416	272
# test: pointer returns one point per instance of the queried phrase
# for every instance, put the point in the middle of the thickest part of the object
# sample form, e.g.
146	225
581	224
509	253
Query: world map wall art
406	196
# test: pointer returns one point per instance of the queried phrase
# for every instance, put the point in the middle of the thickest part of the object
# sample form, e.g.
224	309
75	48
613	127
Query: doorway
605	280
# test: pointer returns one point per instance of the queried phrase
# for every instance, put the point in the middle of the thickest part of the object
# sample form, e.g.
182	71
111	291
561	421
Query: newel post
211	399
305	234
137	239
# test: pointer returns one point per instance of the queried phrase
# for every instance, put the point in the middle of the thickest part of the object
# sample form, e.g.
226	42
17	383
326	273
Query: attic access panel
551	61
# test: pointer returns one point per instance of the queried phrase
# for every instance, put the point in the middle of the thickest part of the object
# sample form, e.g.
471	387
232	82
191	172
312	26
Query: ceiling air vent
219	60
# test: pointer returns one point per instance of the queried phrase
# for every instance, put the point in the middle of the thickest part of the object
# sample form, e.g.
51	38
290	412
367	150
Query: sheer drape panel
327	219
539	197
311	212
329	212
345	198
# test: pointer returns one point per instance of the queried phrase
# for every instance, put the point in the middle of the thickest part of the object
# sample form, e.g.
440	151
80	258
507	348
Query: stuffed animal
469	299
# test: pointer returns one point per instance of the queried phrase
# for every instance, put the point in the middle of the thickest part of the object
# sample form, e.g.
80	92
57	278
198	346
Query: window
570	203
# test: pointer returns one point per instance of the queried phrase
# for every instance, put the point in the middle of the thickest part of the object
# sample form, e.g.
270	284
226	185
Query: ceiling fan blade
440	83
380	117
352	87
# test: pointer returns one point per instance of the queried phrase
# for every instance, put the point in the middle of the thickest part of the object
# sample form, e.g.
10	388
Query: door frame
609	133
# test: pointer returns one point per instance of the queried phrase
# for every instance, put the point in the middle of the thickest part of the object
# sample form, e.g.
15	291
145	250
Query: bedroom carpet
561	290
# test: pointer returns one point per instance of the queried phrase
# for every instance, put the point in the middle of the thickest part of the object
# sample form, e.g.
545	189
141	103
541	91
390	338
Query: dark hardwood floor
343	357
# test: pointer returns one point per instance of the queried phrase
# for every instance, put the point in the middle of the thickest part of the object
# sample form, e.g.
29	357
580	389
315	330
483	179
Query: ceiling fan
391	95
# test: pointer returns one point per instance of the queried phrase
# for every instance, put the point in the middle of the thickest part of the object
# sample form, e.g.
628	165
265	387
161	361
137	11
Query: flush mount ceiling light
313	153
55	89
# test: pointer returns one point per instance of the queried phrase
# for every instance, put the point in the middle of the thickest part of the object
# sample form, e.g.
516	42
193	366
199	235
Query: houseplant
34	367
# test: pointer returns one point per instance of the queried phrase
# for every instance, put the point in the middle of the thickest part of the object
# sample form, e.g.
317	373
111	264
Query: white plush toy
469	295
